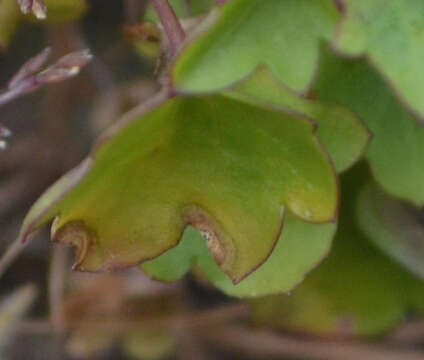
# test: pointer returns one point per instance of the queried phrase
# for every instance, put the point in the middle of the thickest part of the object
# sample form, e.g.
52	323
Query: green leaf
394	226
242	34
397	150
10	16
59	11
299	249
356	291
390	34
335	123
225	167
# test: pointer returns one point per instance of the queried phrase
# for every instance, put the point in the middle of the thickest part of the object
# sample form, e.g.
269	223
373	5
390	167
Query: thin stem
57	276
25	86
170	23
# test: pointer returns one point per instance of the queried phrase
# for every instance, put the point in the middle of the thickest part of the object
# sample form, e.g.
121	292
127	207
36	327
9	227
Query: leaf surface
357	290
300	248
390	34
335	123
227	168
242	34
394	226
396	151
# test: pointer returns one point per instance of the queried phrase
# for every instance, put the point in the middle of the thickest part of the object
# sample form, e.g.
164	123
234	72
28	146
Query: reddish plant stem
170	23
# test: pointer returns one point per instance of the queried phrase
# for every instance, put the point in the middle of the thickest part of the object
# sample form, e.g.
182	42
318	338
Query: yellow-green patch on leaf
225	167
342	133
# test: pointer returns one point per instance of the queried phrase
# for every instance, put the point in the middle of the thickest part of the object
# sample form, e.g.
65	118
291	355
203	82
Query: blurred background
49	312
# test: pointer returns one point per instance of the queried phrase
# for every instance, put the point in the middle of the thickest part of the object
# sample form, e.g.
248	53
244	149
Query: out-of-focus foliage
59	11
126	317
356	291
389	34
396	151
334	122
394	225
62	11
9	20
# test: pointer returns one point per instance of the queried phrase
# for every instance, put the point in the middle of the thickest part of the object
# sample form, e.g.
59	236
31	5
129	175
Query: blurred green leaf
225	167
356	291
390	34
60	11
10	16
395	226
396	152
242	34
335	123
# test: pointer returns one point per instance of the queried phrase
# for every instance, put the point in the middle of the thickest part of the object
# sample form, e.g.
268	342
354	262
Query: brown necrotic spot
214	245
219	245
78	235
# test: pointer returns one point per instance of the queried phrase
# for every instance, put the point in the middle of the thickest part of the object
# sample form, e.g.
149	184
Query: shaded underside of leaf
394	226
299	249
395	153
225	167
389	33
335	123
284	35
357	290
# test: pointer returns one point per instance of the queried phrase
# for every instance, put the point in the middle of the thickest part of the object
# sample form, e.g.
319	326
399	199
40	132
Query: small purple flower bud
4	131
66	67
30	67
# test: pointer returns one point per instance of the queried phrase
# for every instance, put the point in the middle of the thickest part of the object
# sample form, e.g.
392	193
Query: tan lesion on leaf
76	234
219	244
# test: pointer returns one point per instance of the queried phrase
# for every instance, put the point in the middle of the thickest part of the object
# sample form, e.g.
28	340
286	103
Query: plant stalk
170	23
